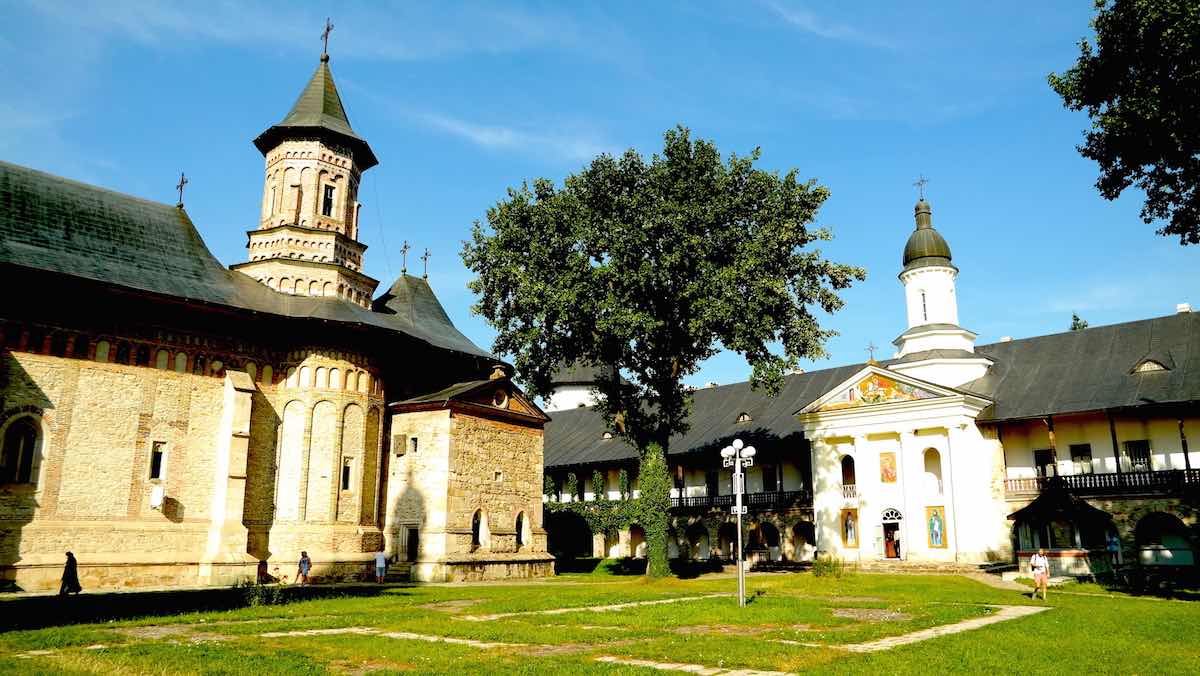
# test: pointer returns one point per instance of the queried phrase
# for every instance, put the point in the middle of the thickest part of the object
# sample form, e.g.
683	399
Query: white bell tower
934	347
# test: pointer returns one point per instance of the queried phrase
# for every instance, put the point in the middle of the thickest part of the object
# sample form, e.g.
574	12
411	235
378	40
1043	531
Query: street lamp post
737	456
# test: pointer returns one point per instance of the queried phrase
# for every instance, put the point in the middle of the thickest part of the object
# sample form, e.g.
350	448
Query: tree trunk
655	484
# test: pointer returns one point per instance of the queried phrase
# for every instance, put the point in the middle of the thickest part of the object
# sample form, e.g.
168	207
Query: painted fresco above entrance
875	389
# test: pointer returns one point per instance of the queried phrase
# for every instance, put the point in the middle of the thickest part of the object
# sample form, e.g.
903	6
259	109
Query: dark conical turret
319	112
925	245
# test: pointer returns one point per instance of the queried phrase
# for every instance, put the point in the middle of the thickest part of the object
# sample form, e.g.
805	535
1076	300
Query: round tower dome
925	245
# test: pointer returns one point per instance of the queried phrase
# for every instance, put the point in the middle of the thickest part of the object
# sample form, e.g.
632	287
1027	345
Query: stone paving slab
592	609
1005	613
689	668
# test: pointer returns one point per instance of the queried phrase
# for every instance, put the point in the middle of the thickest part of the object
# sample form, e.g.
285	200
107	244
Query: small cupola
925	245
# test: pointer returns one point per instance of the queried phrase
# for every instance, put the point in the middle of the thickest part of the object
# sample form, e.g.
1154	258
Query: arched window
18	452
847	470
79	348
479	531
122	353
933	471
143	355
162	360
744	418
335	379
891	515
268	375
924	308
314	288
198	365
520	530
252	370
322	378
181	362
102	351
58	344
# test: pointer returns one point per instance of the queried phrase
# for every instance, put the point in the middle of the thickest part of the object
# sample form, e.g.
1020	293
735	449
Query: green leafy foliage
831	566
1140	86
655	482
1078	323
598	484
548	487
623	484
651	267
571	486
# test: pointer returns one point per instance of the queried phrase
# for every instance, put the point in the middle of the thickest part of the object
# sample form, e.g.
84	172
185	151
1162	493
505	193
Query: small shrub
597	485
262	594
623	484
831	566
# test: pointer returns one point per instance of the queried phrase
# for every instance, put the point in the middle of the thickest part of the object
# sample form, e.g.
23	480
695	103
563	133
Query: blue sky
459	102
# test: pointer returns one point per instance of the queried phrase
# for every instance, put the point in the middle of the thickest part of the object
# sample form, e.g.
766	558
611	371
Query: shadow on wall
408	513
23	448
258	508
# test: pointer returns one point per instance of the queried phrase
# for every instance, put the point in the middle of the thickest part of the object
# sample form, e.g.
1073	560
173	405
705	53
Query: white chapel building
948	453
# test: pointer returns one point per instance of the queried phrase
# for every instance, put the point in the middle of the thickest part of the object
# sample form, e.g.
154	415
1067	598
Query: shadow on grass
36	612
681	568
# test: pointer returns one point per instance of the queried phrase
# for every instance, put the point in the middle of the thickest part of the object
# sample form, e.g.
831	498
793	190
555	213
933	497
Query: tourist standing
1039	565
380	565
303	569
70	577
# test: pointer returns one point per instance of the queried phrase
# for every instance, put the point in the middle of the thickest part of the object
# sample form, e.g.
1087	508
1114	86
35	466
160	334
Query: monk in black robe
70	578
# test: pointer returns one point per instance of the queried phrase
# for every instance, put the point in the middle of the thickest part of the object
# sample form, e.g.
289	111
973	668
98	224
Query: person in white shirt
1039	565
380	566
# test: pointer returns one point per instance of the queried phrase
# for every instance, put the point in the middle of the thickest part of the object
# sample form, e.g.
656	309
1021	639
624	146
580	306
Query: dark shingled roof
319	111
575	436
61	226
1071	372
1090	370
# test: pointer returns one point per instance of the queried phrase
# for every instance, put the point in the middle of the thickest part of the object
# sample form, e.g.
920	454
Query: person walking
381	564
1039	565
70	577
303	569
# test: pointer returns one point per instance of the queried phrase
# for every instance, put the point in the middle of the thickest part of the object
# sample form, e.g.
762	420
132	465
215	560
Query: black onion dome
925	245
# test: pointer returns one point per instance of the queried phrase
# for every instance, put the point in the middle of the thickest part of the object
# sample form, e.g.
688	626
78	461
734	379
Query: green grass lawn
795	622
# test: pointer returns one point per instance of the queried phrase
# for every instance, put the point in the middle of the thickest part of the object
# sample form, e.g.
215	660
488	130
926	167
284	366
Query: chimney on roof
1005	339
1183	308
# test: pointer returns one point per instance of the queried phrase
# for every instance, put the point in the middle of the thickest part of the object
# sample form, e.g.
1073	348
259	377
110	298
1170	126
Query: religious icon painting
849	526
935	519
887	468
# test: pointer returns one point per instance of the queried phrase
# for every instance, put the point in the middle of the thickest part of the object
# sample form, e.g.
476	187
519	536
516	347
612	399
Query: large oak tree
1140	84
652	267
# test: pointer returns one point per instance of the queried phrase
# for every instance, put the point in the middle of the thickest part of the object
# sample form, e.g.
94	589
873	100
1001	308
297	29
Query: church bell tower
934	347
306	242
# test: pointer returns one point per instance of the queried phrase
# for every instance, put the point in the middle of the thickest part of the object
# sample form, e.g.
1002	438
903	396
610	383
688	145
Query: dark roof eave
364	157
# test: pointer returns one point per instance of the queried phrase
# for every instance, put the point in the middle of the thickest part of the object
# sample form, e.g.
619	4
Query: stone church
173	421
947	454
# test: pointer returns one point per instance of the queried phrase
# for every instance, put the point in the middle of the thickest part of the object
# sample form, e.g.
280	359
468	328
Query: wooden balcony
756	502
1164	482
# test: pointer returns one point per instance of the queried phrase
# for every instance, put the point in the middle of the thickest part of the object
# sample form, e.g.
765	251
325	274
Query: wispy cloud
564	145
808	22
379	31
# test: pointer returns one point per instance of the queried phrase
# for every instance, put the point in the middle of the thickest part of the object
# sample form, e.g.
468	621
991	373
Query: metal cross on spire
425	260
920	184
404	257
871	347
325	37
182	182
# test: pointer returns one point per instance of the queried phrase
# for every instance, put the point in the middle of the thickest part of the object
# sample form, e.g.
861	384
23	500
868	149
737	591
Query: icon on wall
887	468
935	517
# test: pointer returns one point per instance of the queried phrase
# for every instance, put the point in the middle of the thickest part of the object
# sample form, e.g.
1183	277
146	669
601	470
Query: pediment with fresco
874	389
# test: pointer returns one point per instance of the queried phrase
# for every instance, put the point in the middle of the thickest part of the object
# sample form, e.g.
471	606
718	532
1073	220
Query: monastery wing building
173	421
949	453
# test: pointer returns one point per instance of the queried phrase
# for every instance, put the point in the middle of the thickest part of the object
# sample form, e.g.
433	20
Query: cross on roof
404	257
871	347
920	184
425	260
182	182
325	36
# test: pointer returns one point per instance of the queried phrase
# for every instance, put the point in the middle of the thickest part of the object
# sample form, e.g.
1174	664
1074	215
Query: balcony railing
755	501
1163	482
849	491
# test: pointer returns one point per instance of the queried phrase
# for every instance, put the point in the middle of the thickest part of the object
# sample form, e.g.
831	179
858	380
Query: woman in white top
1039	565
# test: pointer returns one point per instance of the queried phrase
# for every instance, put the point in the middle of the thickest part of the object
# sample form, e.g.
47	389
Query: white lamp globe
737	444
727	452
748	452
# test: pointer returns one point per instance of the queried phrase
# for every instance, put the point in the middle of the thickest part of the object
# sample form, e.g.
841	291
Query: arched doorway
727	541
769	535
1162	540
891	518
637	541
804	541
848	478
697	537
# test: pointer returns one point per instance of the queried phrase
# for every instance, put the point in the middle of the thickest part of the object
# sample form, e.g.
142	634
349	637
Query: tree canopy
651	267
1078	323
1140	85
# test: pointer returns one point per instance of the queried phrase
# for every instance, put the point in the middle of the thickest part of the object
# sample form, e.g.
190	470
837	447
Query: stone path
592	609
1005	613
690	668
405	635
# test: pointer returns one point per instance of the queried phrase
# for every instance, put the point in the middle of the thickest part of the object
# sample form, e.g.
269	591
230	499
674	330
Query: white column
912	538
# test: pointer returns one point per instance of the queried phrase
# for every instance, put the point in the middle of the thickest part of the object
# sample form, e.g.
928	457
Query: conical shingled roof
319	111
